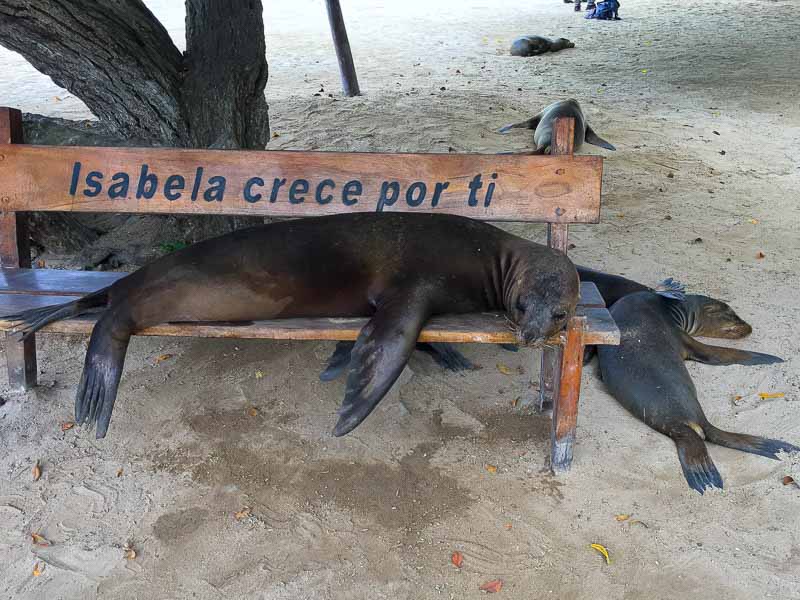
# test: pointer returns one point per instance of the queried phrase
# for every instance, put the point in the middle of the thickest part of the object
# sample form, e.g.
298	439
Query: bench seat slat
55	281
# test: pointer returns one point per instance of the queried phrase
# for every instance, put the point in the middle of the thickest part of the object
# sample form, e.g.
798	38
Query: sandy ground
701	102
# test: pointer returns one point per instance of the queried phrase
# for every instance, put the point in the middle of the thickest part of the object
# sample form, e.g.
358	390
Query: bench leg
549	377
565	408
21	359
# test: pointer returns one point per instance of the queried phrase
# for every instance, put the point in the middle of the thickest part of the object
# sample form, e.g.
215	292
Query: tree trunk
226	72
120	61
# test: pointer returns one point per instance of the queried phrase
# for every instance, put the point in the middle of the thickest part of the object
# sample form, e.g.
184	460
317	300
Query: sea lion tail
669	288
102	370
30	321
748	443
698	468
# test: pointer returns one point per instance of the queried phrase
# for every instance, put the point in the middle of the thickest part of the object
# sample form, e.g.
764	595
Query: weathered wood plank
590	296
565	408
55	281
486	328
558	238
166	180
15	251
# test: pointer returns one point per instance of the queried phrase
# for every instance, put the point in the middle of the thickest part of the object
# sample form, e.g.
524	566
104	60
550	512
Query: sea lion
647	375
543	124
533	45
398	268
611	287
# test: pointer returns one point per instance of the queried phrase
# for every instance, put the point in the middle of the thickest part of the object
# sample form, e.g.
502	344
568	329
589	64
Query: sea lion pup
647	375
543	124
397	268
533	45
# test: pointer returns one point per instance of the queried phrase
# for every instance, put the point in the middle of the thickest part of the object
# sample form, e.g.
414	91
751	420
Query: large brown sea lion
397	268
647	375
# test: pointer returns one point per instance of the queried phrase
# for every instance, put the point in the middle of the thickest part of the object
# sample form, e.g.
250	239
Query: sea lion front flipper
338	361
381	353
102	371
531	123
698	468
446	356
719	355
592	138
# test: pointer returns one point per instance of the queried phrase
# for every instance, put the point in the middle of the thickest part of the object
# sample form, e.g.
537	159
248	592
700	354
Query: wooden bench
558	190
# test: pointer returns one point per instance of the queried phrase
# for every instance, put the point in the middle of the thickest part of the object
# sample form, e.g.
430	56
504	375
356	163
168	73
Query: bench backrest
558	189
550	189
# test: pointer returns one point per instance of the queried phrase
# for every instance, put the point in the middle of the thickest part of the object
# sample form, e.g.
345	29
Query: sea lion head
707	317
542	296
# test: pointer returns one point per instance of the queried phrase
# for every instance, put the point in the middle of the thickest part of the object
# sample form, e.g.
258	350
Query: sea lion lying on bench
398	268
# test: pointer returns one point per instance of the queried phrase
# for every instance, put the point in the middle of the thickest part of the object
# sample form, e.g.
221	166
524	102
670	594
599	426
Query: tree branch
115	56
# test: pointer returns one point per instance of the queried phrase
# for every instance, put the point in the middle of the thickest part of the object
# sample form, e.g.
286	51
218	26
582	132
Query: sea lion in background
533	45
647	375
346	265
543	124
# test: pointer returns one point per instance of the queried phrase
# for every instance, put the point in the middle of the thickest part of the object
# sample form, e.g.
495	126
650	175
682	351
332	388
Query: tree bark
226	72
112	54
118	58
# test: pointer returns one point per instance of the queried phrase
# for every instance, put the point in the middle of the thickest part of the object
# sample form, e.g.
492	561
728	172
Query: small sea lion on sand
534	45
397	268
543	124
647	375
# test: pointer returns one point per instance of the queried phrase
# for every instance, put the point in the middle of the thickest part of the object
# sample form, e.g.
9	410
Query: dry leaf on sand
492	587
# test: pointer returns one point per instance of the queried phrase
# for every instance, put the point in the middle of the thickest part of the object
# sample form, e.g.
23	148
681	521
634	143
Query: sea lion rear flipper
748	443
338	361
380	354
719	355
669	288
31	321
592	138
102	371
531	123
446	356
698	468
